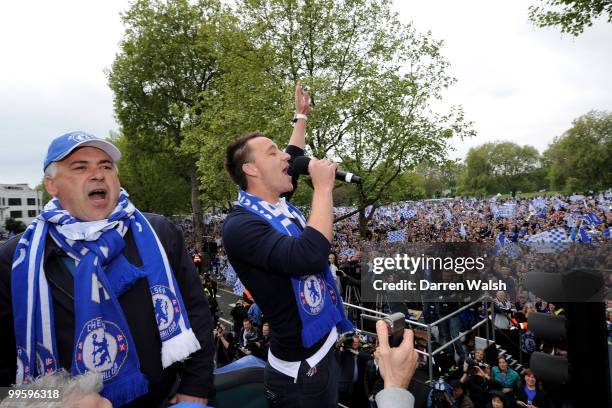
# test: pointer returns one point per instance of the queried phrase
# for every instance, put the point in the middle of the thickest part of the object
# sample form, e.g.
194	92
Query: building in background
20	202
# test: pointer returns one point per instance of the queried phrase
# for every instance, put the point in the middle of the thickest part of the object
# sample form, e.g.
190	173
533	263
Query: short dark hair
236	154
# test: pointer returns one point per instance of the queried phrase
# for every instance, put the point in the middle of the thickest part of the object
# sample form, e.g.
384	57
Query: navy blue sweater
265	260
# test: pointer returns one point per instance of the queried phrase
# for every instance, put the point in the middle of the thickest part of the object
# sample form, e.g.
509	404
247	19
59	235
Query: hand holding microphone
322	173
301	165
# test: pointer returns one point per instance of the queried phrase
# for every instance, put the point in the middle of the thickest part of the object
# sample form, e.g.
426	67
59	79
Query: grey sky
515	81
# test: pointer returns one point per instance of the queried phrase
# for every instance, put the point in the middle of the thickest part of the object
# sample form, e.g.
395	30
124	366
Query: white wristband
300	116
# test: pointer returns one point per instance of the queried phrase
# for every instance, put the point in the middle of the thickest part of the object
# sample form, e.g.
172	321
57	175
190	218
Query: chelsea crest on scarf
102	338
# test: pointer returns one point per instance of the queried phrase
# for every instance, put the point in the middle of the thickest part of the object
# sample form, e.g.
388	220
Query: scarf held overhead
319	303
102	339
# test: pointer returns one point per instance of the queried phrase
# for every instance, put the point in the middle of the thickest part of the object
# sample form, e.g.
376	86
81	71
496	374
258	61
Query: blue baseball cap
62	146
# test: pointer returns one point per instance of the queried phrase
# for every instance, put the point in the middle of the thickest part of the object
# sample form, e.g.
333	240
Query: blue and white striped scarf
102	338
318	301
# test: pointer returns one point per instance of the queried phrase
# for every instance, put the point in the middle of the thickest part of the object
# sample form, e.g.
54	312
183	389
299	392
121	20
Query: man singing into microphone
282	259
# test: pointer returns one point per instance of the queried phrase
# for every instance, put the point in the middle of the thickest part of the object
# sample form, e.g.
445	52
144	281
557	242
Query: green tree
153	180
477	178
14	226
46	197
580	159
166	68
572	16
410	185
372	80
512	164
499	167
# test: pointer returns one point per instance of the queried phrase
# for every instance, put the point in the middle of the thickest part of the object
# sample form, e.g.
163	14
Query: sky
516	82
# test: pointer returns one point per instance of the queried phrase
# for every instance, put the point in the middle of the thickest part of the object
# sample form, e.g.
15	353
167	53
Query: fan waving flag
396	236
551	241
505	246
591	219
584	237
407	214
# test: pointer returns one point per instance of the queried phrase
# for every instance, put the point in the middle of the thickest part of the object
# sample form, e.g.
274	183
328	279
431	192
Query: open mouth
97	195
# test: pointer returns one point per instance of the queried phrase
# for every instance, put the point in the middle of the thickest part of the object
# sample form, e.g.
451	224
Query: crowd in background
467	379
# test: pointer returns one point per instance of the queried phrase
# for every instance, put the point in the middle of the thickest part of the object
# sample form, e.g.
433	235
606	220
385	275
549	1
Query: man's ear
249	169
50	186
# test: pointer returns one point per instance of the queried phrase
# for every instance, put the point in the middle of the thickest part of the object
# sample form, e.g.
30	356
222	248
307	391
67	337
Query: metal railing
428	327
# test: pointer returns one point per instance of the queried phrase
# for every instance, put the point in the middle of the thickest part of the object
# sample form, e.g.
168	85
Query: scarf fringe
179	348
126	389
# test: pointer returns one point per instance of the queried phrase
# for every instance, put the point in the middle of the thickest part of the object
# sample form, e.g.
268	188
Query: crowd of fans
467	379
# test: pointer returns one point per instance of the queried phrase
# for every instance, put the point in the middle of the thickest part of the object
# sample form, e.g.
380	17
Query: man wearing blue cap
94	285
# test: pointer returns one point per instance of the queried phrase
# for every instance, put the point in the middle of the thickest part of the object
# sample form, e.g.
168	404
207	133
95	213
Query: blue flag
396	236
584	237
592	219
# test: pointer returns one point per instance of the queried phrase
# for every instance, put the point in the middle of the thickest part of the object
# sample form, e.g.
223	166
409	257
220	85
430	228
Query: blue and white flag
551	241
238	287
607	233
462	231
532	209
591	219
505	211
447	215
348	251
576	197
505	246
230	275
584	237
407	214
573	234
396	236
539	203
558	204
573	219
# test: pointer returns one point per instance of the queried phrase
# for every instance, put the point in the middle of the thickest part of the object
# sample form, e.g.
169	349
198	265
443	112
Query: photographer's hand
396	365
482	373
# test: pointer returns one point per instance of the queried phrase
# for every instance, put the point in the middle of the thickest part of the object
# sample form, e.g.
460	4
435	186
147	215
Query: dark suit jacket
347	361
196	372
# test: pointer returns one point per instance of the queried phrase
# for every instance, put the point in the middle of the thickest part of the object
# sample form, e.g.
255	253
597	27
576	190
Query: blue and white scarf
319	303
102	338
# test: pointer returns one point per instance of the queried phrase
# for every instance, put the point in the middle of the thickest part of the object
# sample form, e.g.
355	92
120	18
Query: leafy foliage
372	80
162	79
572	16
579	160
14	226
499	167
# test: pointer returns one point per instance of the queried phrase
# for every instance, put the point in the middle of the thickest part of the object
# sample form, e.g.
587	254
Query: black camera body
472	364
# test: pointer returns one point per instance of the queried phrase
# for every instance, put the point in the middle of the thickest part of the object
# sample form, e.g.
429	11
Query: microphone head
300	165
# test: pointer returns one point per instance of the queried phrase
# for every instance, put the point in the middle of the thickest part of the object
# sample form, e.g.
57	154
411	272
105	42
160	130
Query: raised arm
302	107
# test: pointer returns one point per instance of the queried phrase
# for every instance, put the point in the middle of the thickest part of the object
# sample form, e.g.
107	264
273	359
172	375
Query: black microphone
300	166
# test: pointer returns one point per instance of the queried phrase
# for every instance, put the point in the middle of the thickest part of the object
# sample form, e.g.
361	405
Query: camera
472	364
396	323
